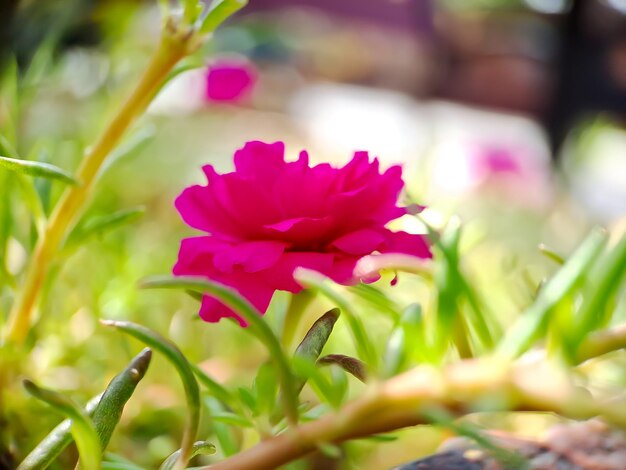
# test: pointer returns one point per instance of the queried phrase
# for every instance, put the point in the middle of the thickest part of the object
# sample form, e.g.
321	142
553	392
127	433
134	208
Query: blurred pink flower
269	217
229	80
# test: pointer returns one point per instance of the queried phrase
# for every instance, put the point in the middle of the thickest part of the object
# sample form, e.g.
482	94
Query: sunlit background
507	114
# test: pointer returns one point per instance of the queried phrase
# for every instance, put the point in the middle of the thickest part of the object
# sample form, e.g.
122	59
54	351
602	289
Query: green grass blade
40	169
82	429
214	388
109	411
314	341
528	327
594	312
257	326
54	443
178	360
362	343
220	13
98	225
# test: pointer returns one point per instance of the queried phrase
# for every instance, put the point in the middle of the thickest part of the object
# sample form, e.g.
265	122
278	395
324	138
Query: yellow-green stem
173	47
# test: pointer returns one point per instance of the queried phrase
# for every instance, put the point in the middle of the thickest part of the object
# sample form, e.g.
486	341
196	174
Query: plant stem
406	400
174	46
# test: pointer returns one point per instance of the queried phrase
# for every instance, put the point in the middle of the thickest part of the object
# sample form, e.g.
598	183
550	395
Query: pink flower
269	217
229	80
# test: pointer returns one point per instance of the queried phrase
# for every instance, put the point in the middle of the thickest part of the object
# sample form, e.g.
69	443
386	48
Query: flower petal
403	242
250	256
359	242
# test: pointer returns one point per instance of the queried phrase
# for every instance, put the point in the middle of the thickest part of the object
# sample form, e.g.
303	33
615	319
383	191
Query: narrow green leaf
32	201
257	326
265	389
551	254
214	388
350	364
229	445
233	419
105	410
54	443
109	410
40	169
314	341
199	448
375	297
362	343
178	360
130	146
320	384
248	399
527	328
117	462
191	11
221	12
99	225
594	312
407	337
82	428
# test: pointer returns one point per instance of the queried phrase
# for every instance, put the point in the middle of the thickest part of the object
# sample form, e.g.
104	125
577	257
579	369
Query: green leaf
178	360
82	428
377	299
551	254
265	388
321	385
32	201
594	312
530	324
257	326
405	341
99	225
248	399
105	410
224	433
130	146
199	448
214	388
350	364
40	169
117	462
232	419
221	12
364	346
314	341
54	443
109	410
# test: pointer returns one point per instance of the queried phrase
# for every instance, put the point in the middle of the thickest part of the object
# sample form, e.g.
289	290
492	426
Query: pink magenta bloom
229	80
269	217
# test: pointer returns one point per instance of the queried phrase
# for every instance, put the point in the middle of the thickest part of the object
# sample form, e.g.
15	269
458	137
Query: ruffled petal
409	244
250	256
359	242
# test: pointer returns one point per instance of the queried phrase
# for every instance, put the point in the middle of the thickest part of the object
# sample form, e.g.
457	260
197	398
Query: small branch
406	399
602	342
173	47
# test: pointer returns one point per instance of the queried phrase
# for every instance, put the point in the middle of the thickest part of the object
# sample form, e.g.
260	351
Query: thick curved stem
172	48
406	400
